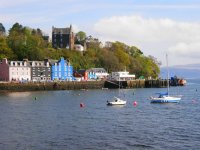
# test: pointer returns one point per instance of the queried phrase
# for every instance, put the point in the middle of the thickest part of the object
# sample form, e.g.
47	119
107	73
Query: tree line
24	42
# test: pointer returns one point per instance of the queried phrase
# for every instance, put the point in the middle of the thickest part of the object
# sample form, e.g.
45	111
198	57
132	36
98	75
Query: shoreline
71	85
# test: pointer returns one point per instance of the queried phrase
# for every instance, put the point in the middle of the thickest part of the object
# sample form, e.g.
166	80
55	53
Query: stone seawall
136	84
51	86
9	86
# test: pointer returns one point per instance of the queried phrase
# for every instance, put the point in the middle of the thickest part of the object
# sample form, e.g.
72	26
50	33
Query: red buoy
134	103
82	105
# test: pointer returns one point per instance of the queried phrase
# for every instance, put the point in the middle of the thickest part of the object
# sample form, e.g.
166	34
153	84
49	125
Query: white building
79	47
19	71
97	73
121	76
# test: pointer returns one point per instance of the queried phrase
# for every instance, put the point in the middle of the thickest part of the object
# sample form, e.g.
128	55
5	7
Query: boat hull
166	100
113	103
116	101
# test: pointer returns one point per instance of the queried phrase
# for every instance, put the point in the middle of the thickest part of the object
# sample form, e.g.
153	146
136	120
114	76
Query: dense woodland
21	42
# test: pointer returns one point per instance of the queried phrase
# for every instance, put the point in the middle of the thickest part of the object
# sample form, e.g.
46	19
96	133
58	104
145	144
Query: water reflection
19	94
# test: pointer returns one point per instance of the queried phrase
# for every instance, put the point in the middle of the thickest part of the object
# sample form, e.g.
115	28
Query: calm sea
54	120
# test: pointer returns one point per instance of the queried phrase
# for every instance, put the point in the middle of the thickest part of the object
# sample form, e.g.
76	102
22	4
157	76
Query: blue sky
156	27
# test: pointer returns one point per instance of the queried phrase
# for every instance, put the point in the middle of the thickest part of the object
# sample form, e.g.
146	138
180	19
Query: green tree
17	40
2	29
5	51
109	61
81	36
134	51
26	42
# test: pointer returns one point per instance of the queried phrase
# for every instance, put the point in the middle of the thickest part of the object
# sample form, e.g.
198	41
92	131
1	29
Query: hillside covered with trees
23	42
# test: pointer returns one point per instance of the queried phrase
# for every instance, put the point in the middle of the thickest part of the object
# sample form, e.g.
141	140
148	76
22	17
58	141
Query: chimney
5	61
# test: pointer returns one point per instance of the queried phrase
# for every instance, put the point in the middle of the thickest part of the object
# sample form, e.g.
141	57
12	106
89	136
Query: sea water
55	120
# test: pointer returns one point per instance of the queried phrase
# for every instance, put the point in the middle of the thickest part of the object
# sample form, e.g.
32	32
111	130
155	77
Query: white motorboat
116	101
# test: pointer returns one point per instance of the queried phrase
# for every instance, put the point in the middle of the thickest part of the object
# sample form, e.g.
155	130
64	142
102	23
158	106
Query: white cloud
186	49
153	36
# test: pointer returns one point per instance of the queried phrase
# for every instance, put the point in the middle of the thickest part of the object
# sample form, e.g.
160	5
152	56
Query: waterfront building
62	70
91	74
122	76
15	70
4	70
63	38
40	70
97	73
81	75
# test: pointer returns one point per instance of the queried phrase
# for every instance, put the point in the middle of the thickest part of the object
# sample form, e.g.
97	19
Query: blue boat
165	97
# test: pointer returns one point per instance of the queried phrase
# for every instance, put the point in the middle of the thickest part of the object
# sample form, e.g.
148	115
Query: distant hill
182	71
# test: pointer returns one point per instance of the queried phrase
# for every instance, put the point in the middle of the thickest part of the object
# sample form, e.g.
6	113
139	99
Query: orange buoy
134	103
82	105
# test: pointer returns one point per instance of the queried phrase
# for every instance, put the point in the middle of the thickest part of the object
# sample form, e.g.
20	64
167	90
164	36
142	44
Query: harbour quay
74	85
138	83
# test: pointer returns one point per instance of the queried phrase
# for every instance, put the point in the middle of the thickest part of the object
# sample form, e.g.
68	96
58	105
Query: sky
156	27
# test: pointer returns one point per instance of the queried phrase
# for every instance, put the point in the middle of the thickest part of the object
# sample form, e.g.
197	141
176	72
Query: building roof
38	63
18	63
53	62
96	70
61	30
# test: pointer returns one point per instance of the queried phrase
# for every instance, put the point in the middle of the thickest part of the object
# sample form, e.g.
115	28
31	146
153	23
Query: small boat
182	82
116	101
165	98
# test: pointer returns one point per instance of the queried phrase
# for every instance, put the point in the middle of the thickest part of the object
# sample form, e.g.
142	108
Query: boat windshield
162	95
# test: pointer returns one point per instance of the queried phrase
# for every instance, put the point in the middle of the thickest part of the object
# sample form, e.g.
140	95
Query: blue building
92	75
62	70
97	73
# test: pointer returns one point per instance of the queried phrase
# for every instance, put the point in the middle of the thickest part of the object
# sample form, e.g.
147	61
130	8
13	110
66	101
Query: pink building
4	70
15	70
